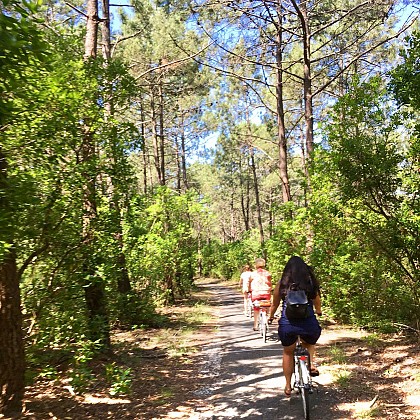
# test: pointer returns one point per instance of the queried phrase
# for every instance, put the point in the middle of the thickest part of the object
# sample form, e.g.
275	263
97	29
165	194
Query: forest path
247	380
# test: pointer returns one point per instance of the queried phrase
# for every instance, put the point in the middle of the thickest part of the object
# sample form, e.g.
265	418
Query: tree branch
76	9
359	56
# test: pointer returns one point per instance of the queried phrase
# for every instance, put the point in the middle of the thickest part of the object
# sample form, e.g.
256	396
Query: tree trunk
271	215
183	157
257	197
12	357
305	169
254	174
156	151
143	148
99	330
302	13
93	286
106	31
178	165
284	177
245	190
123	280
161	136
91	41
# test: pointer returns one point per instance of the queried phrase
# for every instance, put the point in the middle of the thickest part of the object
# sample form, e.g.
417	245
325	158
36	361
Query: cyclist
244	285
297	273
260	286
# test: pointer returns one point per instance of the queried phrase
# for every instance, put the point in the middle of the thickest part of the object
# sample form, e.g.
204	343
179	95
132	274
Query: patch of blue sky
115	8
409	11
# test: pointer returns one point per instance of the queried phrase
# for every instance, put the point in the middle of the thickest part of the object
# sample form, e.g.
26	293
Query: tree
93	285
377	178
171	90
23	46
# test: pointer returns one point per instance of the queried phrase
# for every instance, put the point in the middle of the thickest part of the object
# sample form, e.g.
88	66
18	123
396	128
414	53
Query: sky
115	18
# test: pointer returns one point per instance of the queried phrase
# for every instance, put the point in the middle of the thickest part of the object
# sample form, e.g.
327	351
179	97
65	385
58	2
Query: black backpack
297	303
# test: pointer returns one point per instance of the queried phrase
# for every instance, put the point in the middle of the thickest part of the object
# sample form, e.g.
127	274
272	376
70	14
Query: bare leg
256	316
311	350
288	367
245	303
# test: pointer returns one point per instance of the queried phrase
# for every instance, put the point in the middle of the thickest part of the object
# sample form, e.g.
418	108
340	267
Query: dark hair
297	274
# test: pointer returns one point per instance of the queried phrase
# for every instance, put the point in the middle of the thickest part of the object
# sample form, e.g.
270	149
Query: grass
343	378
163	396
200	314
373	340
371	413
337	355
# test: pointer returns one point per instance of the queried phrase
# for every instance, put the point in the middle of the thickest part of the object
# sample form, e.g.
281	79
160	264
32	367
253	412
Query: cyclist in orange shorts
260	286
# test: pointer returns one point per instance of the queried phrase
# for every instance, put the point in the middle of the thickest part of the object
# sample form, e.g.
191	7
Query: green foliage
372	340
364	226
359	231
289	238
119	379
162	248
405	82
226	260
22	45
81	373
342	378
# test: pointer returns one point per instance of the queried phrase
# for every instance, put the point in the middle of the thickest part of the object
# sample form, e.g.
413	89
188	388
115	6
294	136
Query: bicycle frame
262	318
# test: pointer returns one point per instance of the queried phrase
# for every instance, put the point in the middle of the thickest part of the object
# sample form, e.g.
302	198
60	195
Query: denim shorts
308	329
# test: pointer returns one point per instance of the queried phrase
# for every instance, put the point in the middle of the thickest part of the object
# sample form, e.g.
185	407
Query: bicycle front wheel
264	326
260	323
304	388
305	402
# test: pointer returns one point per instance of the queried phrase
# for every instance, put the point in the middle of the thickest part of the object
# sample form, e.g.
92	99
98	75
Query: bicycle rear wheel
260	323
249	308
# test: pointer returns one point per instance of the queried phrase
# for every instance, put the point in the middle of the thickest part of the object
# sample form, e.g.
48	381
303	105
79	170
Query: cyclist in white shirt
244	285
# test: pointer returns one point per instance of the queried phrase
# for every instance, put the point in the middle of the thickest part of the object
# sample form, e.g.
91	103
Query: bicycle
249	308
303	380
264	306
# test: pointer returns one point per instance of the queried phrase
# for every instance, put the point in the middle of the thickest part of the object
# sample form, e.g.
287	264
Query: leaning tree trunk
12	357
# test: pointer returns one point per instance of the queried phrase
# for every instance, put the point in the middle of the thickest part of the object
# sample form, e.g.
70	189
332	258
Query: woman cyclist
301	276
